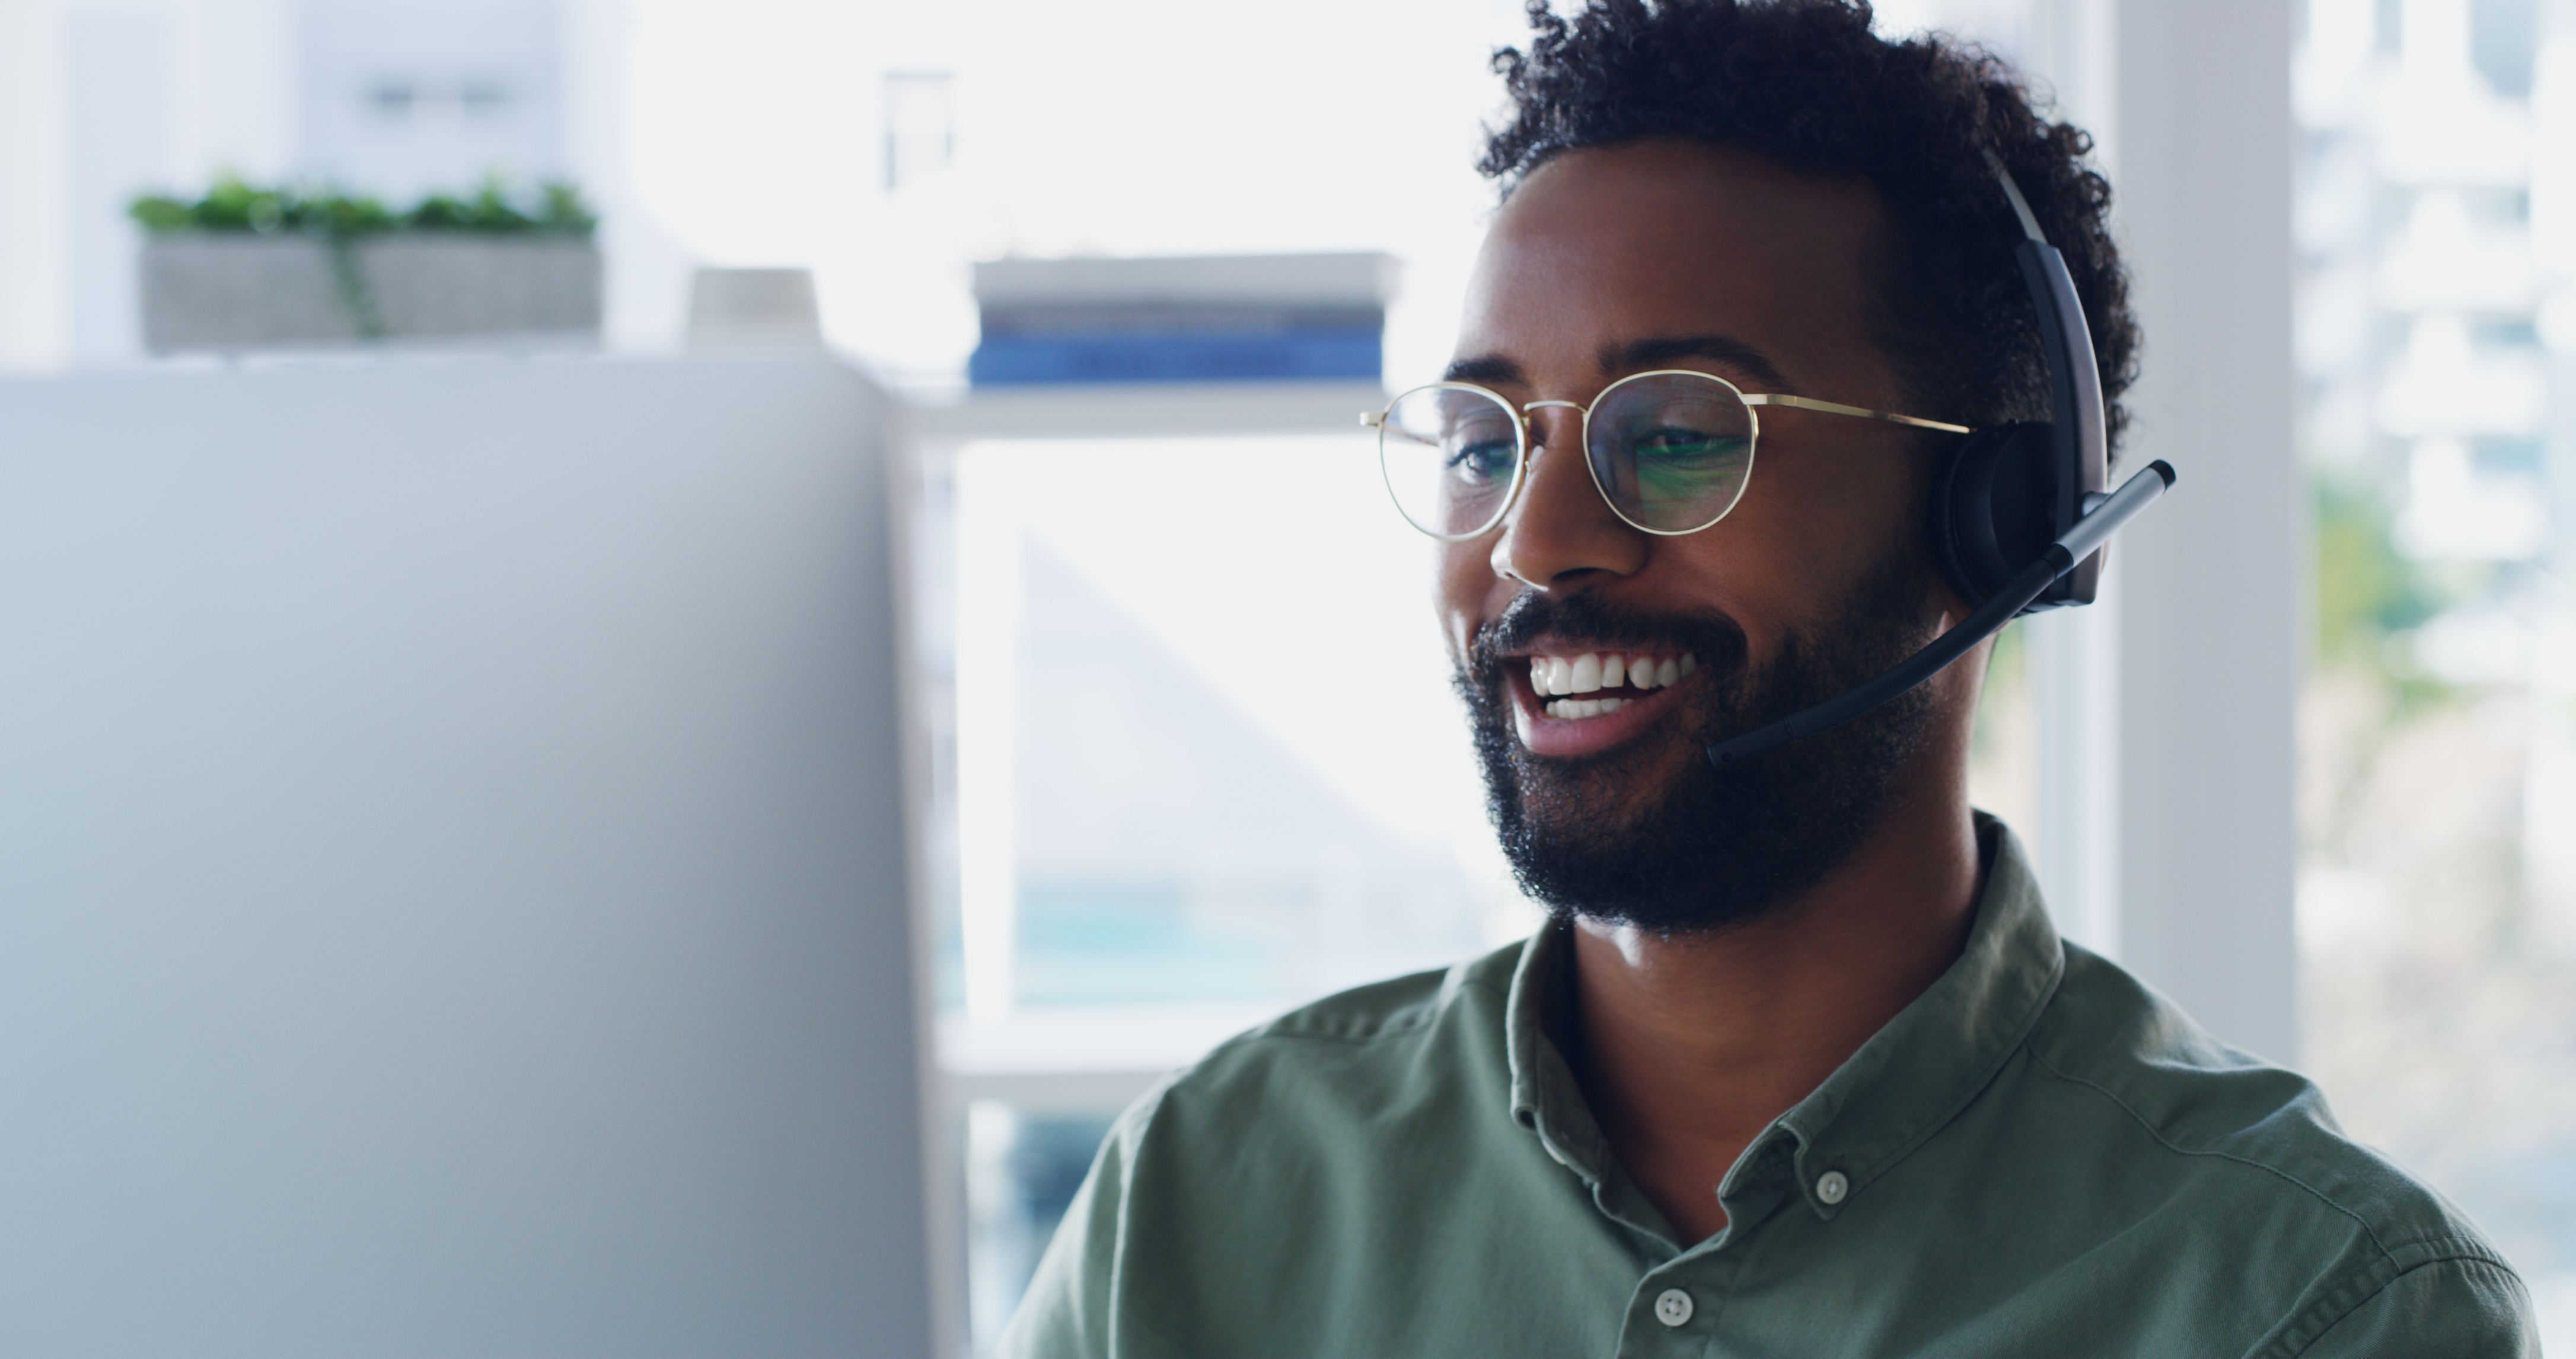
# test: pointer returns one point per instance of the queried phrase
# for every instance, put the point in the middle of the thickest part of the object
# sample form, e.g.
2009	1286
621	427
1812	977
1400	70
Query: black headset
2019	517
2003	494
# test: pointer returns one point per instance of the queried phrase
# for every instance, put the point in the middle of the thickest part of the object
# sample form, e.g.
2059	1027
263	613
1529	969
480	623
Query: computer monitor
453	870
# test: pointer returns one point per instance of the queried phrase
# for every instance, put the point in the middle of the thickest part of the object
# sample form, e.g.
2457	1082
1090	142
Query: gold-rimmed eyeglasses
1670	450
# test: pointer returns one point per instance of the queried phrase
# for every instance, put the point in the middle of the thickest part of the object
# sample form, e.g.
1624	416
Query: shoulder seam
1138	1123
2324	1324
1276	1030
1410	1019
1407	1020
2170	1145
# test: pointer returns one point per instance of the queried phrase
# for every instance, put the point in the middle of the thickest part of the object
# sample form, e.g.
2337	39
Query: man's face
1671	255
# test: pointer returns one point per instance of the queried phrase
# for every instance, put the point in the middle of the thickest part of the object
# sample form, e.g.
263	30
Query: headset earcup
1990	506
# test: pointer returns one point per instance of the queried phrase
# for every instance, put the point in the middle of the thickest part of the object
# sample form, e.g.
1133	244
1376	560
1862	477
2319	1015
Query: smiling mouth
1594	684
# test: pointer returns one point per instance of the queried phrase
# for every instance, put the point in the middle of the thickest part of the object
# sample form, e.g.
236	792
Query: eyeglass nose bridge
1530	428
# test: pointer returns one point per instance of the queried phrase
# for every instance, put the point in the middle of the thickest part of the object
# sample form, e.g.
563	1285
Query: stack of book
1219	318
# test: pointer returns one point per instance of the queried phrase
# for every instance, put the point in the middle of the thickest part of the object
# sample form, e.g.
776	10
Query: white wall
2210	622
117	124
34	298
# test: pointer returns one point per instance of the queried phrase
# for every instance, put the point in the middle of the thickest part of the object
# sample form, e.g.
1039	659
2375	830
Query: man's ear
1991	493
1942	596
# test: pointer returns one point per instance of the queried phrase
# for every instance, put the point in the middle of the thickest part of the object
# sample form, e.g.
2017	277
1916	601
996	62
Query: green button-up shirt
2039	1156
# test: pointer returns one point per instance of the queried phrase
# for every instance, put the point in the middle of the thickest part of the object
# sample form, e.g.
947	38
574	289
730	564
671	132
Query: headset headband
2080	441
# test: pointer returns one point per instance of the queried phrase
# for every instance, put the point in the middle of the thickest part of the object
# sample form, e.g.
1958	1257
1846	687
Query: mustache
1715	638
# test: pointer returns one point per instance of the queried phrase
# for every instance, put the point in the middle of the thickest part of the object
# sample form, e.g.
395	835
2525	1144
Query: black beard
1714	850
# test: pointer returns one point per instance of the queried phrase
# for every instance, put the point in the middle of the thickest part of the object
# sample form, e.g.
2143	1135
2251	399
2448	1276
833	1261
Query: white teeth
1575	709
1554	677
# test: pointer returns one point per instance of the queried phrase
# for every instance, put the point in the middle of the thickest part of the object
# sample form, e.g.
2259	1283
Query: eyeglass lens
1670	452
1452	456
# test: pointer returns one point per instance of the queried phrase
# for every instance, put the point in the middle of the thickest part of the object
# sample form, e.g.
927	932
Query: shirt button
1831	1186
1672	1307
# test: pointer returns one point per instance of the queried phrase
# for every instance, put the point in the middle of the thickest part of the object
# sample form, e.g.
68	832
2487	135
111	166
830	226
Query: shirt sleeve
2444	1309
1066	1312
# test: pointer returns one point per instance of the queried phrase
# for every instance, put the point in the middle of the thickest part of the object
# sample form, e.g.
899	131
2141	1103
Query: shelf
1146	410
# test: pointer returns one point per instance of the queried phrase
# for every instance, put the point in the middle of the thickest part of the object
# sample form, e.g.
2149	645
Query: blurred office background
1191	755
2436	348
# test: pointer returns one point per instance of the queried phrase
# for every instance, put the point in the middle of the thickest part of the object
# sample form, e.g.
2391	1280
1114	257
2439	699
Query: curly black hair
1807	84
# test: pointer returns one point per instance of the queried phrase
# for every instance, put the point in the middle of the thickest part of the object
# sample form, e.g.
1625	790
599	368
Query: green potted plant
246	267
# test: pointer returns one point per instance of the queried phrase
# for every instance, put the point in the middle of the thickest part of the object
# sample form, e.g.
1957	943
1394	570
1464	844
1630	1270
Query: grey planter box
224	292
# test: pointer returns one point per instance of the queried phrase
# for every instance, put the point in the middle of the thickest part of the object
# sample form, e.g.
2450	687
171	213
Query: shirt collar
1545	1098
1909	1079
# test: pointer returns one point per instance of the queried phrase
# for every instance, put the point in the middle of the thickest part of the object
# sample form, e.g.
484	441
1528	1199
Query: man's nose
1560	532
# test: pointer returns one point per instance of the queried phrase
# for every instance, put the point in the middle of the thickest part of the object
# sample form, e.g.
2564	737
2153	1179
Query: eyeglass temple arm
1377	419
1806	403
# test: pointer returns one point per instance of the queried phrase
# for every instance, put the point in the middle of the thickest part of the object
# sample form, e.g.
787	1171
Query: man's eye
1485	460
1686	445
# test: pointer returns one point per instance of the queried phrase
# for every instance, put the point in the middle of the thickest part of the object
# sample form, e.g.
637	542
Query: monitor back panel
452	869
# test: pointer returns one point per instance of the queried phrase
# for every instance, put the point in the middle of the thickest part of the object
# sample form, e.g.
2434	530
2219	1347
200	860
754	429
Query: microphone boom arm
2081	541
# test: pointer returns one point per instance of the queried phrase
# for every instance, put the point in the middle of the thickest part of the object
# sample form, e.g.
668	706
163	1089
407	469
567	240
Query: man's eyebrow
1486	370
1662	352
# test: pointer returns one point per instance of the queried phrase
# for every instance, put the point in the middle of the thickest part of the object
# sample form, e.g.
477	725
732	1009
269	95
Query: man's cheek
1457	601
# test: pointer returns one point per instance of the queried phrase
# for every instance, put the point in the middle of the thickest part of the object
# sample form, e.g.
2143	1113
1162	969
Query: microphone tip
2164	471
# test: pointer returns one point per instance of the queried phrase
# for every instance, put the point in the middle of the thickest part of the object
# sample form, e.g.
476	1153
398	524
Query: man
1799	1066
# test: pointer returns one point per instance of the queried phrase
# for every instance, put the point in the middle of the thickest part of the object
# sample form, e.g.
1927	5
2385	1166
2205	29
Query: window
2436	221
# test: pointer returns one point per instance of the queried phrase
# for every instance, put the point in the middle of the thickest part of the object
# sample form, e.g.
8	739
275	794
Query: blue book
1185	356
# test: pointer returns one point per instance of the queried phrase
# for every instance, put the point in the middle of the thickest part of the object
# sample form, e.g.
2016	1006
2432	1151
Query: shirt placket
1678	1307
